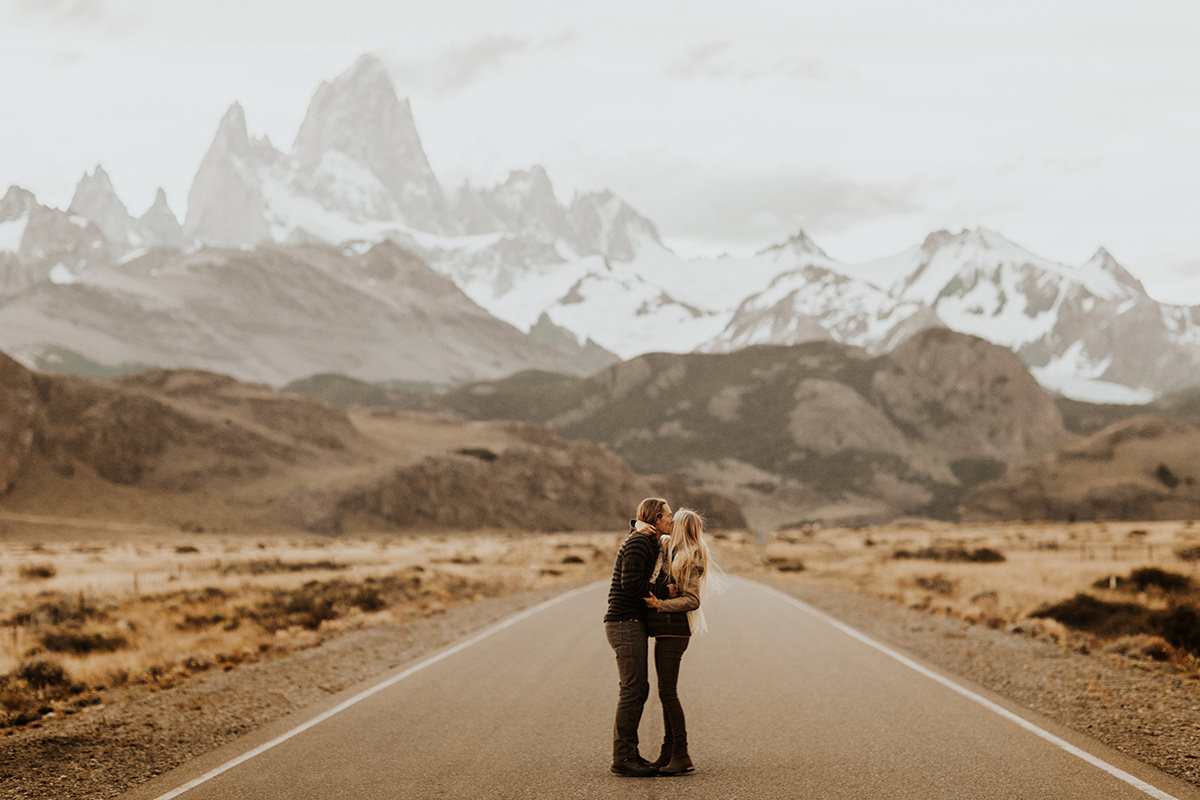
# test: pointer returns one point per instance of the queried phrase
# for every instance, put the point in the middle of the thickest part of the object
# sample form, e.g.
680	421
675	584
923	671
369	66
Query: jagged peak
231	131
16	203
799	241
98	178
95	195
1104	261
160	206
942	237
531	181
367	68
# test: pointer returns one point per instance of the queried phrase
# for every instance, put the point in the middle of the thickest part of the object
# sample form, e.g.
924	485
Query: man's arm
635	572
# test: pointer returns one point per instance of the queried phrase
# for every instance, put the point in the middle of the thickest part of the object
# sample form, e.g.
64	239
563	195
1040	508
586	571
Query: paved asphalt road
780	702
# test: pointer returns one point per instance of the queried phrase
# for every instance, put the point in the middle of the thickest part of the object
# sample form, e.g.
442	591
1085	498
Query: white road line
1117	773
363	695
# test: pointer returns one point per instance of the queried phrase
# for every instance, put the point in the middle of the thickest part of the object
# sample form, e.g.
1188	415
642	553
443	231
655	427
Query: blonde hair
687	552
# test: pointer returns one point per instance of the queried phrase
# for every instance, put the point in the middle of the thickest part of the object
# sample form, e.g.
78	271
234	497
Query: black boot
664	755
680	761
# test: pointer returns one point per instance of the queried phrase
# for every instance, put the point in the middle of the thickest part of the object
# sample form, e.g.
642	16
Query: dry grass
138	609
1006	575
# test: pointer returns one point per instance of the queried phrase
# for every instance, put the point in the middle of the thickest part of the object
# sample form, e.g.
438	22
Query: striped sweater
631	578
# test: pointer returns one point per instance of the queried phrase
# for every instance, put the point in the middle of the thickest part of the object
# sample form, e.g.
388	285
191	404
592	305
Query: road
780	700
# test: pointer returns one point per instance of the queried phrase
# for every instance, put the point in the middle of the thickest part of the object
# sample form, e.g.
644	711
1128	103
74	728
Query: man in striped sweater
625	625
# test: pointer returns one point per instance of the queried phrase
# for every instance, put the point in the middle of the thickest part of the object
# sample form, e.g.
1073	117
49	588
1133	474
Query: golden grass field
1043	564
114	608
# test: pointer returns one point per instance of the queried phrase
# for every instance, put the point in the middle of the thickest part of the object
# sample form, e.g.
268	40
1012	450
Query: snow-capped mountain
595	270
273	314
42	244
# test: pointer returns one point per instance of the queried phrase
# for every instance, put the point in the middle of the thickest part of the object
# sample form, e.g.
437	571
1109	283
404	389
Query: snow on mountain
524	204
14	217
37	242
357	121
597	270
273	314
357	171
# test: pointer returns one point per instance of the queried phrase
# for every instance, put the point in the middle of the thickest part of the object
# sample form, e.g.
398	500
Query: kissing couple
657	580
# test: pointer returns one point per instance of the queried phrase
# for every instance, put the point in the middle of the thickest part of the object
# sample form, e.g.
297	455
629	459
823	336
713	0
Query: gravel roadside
1143	709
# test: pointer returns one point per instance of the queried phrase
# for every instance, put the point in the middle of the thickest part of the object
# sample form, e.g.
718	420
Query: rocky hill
202	451
813	431
1141	468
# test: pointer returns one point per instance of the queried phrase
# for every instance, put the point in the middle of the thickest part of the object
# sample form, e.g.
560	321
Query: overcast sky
1063	124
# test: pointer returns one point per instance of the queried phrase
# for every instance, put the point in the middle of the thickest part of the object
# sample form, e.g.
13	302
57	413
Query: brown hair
651	509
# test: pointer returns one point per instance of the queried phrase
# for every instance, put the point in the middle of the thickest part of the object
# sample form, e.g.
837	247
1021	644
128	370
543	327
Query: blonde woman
684	564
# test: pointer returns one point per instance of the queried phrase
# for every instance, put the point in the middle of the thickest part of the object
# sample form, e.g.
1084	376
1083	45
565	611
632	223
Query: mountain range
793	433
578	284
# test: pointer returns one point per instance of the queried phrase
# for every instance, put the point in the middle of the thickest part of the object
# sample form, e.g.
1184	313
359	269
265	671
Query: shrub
1166	477
938	584
1143	646
1181	627
55	608
270	566
370	599
482	453
786	564
33	572
1143	578
980	555
1086	613
43	673
1188	553
1178	625
77	641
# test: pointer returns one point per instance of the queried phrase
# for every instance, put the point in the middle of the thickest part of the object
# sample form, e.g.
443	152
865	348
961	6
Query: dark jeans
628	641
668	653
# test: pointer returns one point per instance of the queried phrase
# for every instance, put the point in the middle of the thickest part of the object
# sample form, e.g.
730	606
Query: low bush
1179	625
1086	613
939	584
37	572
1143	646
271	566
43	673
980	555
786	564
314	603
79	642
1143	578
56	608
1188	553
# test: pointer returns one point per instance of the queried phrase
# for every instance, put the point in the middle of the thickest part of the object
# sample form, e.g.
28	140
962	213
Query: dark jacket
631	578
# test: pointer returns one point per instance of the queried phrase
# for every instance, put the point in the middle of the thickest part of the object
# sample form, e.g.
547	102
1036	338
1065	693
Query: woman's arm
688	599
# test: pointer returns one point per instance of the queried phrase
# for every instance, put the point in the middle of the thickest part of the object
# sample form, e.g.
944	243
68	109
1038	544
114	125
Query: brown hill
811	431
1141	468
206	452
